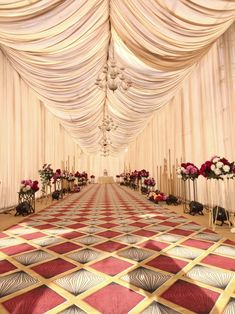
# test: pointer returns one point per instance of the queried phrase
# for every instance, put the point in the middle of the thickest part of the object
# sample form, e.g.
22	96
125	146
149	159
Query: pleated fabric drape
196	124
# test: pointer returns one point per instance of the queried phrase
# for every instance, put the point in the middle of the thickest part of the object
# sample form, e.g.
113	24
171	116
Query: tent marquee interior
179	56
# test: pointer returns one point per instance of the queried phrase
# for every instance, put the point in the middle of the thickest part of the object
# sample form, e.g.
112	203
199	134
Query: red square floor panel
15	249
44	226
154	245
144	233
229	242
108	234
197	244
53	268
108	225
111	265
194	298
109	246
166	263
139	224
36	301
181	232
72	235
3	235
219	261
64	247
76	226
6	266
114	299
34	235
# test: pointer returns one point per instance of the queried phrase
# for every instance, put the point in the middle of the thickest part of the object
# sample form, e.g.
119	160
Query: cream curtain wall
197	124
29	135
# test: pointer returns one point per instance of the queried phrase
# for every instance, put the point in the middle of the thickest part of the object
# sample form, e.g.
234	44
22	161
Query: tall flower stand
184	198
28	197
64	185
218	197
46	190
189	193
58	187
71	186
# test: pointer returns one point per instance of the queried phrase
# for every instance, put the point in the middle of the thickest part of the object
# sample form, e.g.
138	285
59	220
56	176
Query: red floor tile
181	232
144	233
6	266
15	249
194	298
36	301
72	235
111	265
53	268
198	244
109	246
108	234
64	247
34	235
169	264
220	261
114	299
108	225
76	226
154	245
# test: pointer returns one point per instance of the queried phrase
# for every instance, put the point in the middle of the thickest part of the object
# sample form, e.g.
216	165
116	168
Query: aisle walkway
107	250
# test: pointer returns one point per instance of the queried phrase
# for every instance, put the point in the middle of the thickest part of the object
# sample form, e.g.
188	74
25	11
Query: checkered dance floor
108	250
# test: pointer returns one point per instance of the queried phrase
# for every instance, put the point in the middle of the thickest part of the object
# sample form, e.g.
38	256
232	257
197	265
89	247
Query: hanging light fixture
113	77
107	123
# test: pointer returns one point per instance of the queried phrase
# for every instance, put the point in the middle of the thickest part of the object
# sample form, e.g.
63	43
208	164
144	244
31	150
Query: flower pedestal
28	197
184	198
46	190
218	197
64	185
71	186
58	187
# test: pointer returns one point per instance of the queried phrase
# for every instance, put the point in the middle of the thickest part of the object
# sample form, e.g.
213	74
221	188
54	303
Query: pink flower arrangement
57	175
144	173
46	173
149	182
217	168
92	176
29	186
187	171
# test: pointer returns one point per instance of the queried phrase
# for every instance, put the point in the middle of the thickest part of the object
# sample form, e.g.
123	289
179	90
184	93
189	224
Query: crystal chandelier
107	124
113	77
105	143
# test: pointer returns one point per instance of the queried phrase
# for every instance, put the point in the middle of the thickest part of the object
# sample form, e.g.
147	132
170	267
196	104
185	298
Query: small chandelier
105	142
113	77
107	124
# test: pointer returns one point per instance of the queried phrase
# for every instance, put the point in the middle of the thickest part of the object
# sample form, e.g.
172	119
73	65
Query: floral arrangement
187	171
117	176
92	176
83	175
149	182
46	173
71	177
140	174
57	175
217	168
157	196
29	186
143	173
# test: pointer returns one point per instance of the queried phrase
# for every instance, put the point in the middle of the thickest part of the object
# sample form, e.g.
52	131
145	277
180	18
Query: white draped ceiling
59	48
